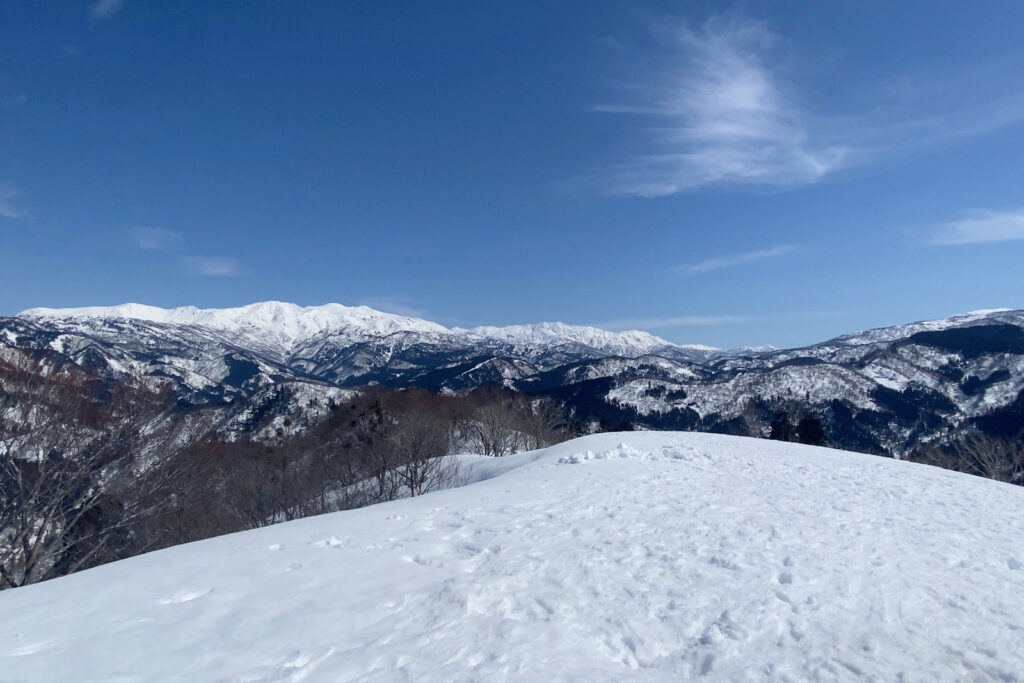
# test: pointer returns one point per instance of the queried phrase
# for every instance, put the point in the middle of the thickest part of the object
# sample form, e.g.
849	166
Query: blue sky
756	173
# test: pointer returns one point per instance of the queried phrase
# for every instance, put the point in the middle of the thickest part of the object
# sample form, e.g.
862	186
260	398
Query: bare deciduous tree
421	442
60	433
494	424
980	454
542	421
501	423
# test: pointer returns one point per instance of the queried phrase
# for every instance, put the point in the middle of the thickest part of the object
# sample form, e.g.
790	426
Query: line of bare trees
499	422
993	457
93	471
378	446
69	492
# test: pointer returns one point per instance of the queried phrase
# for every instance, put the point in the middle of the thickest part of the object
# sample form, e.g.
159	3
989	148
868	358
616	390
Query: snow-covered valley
642	556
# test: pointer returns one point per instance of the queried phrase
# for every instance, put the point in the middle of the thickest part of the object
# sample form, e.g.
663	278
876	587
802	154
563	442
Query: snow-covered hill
640	557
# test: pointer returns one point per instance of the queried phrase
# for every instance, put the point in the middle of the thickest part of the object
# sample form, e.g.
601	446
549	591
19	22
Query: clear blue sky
761	173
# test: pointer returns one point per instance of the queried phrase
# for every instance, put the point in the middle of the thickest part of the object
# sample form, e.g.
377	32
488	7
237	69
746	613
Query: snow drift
613	557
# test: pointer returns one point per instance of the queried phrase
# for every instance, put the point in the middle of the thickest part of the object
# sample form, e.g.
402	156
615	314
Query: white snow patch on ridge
658	556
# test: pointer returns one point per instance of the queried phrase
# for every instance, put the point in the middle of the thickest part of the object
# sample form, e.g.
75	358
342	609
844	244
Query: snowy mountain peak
130	310
632	342
286	323
283	321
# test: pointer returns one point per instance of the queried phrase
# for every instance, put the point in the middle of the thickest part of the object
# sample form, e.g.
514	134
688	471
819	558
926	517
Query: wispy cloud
714	108
148	237
720	262
720	115
213	266
677	321
396	305
8	196
104	9
981	226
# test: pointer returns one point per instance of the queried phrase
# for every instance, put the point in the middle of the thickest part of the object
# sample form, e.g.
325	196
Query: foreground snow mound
612	557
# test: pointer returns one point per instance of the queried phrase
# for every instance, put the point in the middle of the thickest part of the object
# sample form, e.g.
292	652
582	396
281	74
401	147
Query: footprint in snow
784	598
723	563
423	561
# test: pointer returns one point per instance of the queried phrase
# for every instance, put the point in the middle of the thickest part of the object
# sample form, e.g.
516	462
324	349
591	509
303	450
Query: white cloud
8	194
677	321
982	226
213	266
714	108
734	260
153	238
104	9
721	117
398	306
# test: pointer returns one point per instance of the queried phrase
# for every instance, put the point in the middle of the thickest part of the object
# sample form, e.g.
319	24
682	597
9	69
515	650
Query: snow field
639	557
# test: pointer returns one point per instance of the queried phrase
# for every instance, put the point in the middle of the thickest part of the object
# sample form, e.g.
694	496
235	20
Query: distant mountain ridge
881	390
290	323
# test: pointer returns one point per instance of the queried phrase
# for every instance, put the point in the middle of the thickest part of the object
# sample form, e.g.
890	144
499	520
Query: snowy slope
635	556
886	334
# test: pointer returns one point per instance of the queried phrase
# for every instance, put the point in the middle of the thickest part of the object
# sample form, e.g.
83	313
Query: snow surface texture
289	323
642	556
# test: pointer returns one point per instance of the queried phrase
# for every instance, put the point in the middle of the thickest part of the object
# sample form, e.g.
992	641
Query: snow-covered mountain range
616	557
880	390
289	326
